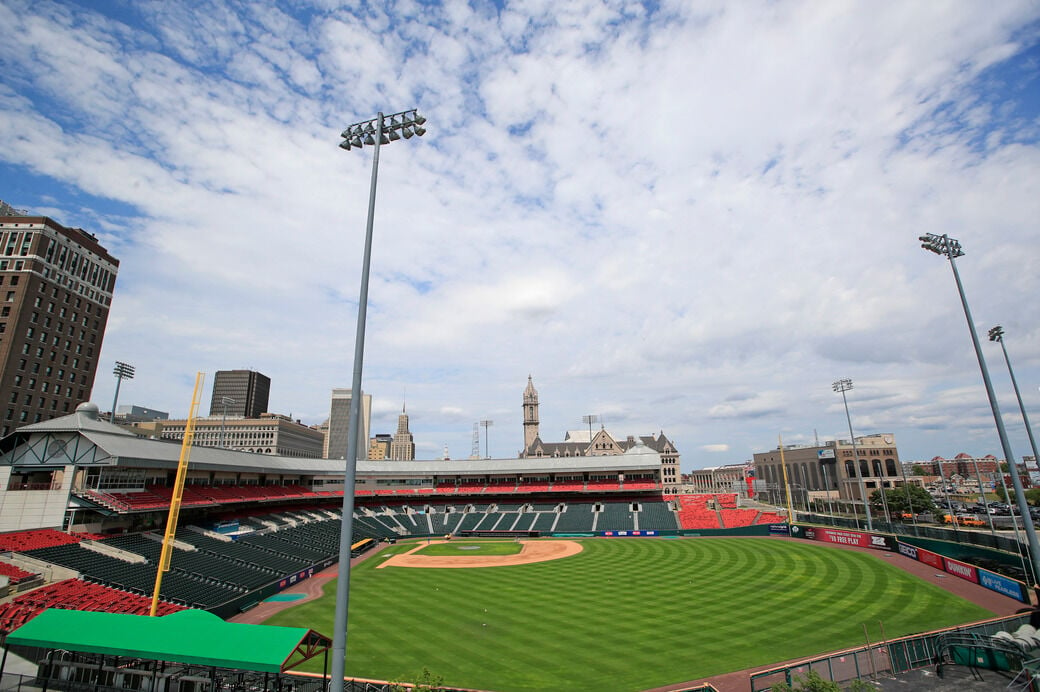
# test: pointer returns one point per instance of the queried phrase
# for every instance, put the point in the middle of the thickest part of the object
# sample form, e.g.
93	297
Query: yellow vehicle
963	520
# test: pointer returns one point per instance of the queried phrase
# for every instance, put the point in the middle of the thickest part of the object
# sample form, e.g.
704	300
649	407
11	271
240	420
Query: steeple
530	407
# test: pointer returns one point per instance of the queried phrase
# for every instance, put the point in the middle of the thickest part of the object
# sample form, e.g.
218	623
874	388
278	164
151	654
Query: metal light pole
997	334
951	248
225	401
122	371
843	385
379	130
884	498
909	498
487	424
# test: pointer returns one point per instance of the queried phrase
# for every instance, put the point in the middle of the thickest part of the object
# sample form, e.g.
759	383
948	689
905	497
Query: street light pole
225	400
379	130
122	371
951	248
843	385
997	334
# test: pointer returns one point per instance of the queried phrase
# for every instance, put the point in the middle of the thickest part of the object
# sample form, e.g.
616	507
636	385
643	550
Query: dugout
186	651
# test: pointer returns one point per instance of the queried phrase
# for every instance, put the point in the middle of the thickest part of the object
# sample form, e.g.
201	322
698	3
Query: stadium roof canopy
188	636
81	439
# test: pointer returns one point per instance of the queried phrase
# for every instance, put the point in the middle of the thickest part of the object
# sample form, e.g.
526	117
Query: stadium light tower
487	424
997	334
225	401
843	385
951	249
375	132
122	371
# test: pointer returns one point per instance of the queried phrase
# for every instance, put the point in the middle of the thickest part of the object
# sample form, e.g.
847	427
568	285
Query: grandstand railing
892	657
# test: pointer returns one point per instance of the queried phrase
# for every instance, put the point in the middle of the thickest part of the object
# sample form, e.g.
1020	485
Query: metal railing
871	660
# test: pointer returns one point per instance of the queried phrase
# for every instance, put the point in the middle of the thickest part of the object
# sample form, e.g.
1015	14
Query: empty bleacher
74	594
656	516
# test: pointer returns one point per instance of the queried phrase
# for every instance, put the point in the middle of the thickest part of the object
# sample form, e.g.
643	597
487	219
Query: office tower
56	288
403	446
246	393
339	425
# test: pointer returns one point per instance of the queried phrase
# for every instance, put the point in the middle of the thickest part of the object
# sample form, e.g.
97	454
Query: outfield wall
1012	588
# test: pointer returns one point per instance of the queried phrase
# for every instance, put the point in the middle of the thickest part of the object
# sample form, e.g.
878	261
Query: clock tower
530	414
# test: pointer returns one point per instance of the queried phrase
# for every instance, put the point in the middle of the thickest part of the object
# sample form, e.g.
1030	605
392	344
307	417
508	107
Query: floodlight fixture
843	385
951	248
374	132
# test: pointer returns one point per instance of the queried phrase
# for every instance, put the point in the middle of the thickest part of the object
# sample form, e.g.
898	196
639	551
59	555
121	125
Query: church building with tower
586	443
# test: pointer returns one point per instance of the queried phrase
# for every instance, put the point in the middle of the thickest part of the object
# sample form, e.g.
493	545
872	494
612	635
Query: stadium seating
694	512
74	594
15	574
21	541
733	518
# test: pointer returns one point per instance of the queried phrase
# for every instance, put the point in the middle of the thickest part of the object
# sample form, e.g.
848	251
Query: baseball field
617	614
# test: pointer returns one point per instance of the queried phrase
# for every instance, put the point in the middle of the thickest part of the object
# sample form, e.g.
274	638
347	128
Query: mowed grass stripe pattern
625	614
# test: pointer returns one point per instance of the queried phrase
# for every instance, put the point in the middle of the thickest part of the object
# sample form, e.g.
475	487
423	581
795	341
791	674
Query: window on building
14	280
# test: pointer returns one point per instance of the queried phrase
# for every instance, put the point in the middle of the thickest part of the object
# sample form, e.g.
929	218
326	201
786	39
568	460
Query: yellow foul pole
178	493
790	513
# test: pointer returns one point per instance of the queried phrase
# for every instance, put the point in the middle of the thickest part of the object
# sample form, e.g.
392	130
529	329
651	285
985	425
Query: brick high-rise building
56	288
247	391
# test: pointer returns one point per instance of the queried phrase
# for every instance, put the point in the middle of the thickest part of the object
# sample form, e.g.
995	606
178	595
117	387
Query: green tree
423	682
810	682
898	502
917	470
1033	496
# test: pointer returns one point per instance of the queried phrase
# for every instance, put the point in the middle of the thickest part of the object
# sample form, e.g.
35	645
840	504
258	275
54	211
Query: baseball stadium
574	573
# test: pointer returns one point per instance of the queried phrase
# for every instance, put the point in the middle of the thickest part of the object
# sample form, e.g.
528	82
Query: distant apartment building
56	287
717	479
270	433
339	425
379	447
242	393
831	467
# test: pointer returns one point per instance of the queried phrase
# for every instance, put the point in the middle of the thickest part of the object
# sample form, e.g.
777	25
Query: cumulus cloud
689	219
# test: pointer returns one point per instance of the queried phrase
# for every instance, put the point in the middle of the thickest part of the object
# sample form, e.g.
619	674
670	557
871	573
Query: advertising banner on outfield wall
991	580
613	534
843	537
961	569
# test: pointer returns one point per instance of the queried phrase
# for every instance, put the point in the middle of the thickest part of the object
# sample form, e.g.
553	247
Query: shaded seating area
656	516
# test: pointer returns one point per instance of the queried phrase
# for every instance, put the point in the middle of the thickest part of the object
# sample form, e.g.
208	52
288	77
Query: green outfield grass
498	547
625	614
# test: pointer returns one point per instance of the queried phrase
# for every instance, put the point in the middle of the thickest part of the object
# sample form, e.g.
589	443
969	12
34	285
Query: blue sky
688	217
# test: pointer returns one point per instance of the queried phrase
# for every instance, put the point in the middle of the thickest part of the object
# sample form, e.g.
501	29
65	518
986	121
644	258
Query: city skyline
681	219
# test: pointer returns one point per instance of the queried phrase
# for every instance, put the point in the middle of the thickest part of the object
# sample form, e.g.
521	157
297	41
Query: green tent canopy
187	636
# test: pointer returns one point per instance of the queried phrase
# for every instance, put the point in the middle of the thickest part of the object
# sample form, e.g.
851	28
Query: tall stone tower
530	414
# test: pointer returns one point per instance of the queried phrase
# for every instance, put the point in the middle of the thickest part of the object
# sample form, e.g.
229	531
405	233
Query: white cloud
692	220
